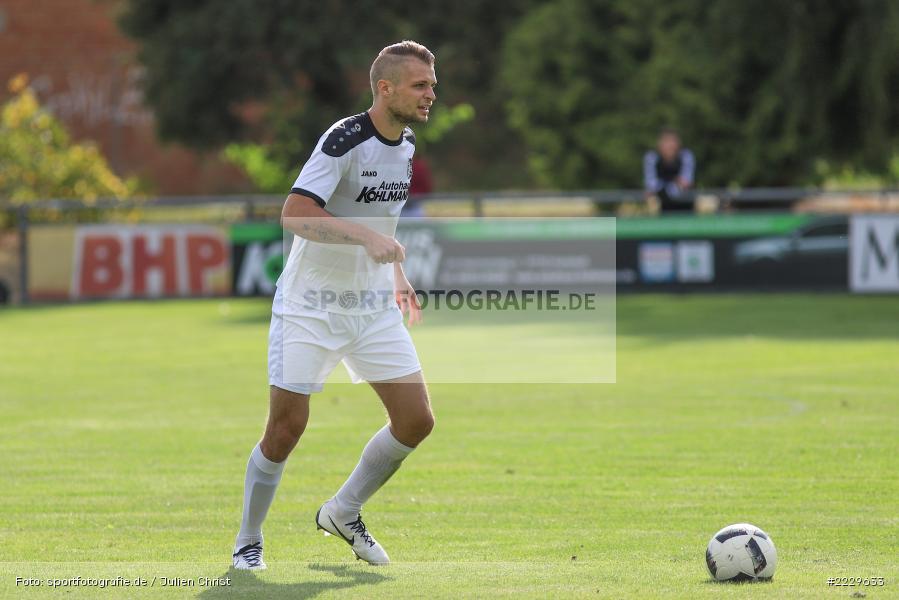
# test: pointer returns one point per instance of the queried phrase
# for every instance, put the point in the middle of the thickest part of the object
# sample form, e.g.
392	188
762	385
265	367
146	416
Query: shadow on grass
261	317
739	582
676	318
656	318
670	318
245	584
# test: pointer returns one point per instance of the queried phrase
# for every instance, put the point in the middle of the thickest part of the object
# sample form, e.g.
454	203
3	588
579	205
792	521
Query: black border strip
381	138
308	194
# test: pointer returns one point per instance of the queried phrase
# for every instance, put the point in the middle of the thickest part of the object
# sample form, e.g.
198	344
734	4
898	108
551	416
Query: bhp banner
115	261
149	262
874	253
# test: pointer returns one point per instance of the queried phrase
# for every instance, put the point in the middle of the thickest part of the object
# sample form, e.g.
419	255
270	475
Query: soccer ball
741	552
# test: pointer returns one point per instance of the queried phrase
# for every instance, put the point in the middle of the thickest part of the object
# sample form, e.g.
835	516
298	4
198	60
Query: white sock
262	480
381	458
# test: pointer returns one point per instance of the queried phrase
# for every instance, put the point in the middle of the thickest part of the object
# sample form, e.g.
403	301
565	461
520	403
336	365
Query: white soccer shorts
305	345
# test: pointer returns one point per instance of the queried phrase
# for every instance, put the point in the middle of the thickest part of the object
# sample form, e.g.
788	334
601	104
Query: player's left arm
405	295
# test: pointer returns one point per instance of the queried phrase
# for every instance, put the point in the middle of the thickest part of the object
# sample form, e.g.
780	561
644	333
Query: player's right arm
304	217
304	211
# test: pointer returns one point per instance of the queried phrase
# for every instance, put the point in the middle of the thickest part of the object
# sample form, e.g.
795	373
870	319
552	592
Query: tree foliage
40	161
761	90
278	72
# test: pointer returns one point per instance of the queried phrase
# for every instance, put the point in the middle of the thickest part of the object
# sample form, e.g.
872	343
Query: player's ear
385	87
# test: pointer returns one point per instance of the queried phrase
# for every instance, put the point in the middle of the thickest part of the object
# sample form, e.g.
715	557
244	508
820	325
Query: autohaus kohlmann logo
395	191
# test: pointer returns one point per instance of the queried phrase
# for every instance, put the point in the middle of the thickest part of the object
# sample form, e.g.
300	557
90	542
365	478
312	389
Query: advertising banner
257	257
512	253
739	252
677	253
874	253
459	254
121	261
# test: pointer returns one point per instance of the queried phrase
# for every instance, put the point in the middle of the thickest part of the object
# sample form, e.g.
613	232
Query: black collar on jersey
381	138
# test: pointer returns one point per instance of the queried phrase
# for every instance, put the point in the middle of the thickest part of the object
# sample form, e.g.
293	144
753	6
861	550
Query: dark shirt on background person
422	183
668	173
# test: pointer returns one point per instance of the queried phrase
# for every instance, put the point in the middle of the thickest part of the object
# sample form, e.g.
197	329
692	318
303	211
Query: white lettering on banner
423	256
874	253
253	274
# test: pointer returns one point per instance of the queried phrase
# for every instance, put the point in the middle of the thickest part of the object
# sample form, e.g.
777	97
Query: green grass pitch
126	429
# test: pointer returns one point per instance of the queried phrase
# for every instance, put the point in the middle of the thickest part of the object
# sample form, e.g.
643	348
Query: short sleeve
321	174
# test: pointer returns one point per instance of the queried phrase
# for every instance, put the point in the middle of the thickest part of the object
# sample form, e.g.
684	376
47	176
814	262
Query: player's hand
407	300
384	249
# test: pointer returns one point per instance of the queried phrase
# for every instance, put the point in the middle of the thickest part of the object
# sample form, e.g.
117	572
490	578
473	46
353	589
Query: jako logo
369	173
386	192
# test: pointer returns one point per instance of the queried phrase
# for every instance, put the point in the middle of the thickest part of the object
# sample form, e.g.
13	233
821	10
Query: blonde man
342	297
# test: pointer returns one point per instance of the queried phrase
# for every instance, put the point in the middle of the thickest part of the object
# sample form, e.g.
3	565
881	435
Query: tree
39	159
762	91
276	73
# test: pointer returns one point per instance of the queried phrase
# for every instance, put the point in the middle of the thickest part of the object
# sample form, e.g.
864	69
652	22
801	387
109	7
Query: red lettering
204	253
101	272
143	262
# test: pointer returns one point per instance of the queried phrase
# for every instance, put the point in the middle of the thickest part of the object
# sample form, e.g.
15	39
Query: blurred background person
422	183
668	173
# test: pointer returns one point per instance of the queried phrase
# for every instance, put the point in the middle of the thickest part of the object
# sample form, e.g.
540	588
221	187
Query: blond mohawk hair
386	64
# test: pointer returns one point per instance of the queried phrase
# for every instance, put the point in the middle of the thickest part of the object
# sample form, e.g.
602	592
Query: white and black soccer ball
741	552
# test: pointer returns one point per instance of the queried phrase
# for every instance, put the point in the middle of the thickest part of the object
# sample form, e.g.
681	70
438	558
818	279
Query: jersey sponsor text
396	191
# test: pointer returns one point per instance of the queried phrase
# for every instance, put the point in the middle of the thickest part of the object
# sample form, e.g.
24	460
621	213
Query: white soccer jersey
357	174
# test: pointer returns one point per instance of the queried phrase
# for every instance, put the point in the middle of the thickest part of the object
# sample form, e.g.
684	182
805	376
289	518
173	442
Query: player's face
413	94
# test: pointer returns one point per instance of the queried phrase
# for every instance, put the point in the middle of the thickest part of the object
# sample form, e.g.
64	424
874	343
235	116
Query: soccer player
330	303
